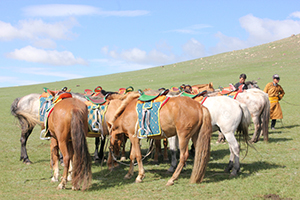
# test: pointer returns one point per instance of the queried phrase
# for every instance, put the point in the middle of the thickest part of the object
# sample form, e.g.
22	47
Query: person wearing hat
275	93
241	84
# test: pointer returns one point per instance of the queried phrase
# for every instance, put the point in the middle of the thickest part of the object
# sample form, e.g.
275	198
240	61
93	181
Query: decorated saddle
231	91
47	102
148	108
96	112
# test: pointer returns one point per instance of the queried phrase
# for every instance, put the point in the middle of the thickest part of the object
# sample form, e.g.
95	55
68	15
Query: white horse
258	104
227	116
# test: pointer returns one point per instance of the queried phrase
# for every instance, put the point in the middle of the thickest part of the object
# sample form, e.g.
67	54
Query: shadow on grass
213	173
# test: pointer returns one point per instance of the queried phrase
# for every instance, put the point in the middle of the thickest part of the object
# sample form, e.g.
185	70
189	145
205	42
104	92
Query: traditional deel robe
275	93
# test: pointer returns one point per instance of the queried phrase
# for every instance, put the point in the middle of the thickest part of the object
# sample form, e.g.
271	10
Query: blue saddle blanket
45	103
148	119
96	117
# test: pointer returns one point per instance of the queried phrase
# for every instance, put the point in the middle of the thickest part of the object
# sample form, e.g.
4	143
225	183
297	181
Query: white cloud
260	31
193	49
138	56
73	10
194	29
37	29
32	54
267	30
295	14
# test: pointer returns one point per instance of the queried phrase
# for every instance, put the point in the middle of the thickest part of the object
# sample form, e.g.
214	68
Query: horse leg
165	142
257	127
234	154
66	156
136	154
184	154
124	140
96	155
101	151
54	159
173	141
157	151
24	137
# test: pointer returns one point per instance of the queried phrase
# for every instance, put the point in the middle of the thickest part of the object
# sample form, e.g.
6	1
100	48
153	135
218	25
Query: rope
150	149
290	103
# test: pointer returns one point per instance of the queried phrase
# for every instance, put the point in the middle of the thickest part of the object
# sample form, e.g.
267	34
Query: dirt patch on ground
275	197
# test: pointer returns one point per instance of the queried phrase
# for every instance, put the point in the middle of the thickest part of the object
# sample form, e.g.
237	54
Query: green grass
273	168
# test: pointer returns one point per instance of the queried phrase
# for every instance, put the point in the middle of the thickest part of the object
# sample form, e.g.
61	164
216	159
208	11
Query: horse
258	104
180	116
68	127
227	116
26	110
175	91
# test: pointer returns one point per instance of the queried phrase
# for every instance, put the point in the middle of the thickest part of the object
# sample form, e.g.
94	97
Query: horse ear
211	84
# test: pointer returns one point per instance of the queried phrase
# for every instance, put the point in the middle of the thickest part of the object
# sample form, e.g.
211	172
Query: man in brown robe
275	93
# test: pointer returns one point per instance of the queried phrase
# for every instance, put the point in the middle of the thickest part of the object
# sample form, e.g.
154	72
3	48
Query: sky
46	41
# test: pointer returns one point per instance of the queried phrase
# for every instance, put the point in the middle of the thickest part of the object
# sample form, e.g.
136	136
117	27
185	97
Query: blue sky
46	41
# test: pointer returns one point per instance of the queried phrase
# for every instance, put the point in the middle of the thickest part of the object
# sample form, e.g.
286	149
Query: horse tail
26	120
125	102
202	148
265	117
81	173
242	129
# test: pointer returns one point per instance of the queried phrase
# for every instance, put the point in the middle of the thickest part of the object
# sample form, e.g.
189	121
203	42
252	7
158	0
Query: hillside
271	169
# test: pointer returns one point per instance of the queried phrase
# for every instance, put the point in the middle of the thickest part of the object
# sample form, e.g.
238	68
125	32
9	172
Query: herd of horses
188	113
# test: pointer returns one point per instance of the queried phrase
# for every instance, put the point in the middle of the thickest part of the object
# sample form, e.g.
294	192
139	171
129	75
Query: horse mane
252	84
129	97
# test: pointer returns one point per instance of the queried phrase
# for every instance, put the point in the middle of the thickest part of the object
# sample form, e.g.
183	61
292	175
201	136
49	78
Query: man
241	84
275	93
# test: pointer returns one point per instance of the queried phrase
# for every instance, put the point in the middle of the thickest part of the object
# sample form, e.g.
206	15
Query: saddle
193	96
96	92
148	107
125	90
144	97
97	101
231	89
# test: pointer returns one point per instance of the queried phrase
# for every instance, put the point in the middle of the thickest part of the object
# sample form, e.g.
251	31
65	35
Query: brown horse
180	115
68	127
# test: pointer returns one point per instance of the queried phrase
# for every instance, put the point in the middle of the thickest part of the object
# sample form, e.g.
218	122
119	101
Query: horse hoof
123	158
128	176
54	180
27	162
75	188
138	180
169	183
60	187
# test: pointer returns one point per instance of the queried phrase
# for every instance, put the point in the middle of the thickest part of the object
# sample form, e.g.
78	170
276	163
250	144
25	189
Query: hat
276	76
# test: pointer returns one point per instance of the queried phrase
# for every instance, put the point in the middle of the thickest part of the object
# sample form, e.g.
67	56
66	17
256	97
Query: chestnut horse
180	116
26	110
68	127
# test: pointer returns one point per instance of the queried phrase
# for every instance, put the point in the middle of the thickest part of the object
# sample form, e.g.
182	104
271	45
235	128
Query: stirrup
43	134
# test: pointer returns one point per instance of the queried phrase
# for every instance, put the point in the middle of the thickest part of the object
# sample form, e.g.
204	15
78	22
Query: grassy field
270	171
